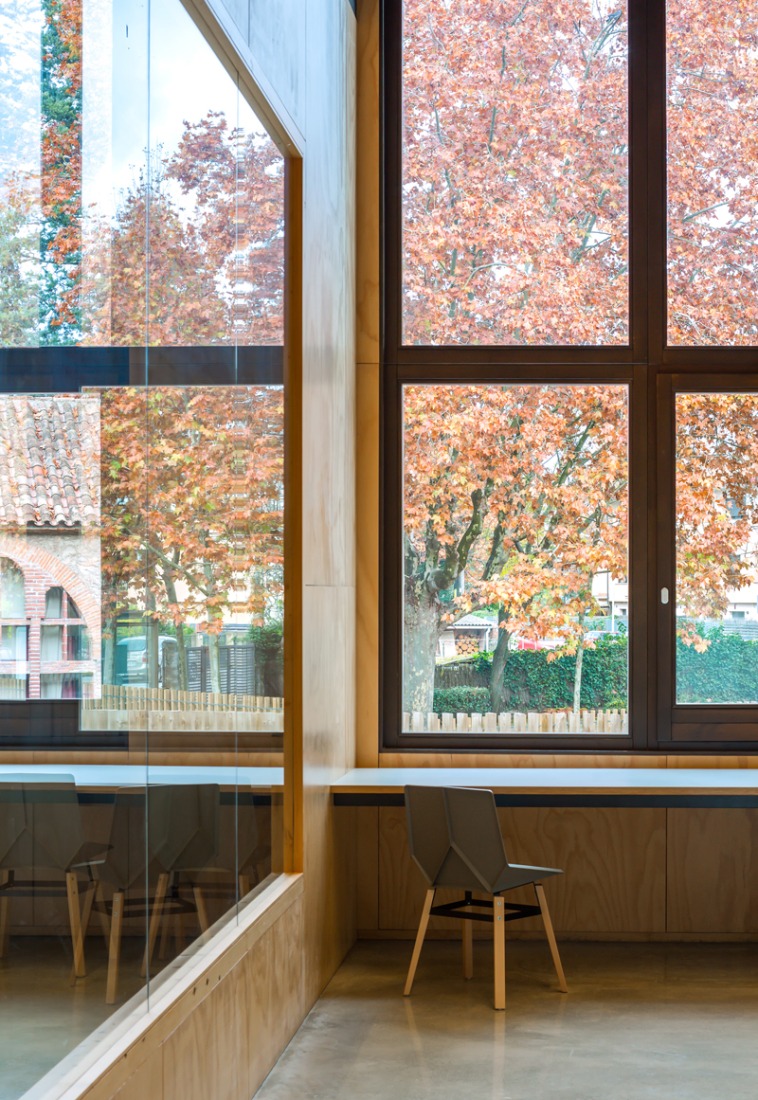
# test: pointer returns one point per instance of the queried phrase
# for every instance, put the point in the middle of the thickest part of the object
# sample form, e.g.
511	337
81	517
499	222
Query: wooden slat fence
515	722
121	707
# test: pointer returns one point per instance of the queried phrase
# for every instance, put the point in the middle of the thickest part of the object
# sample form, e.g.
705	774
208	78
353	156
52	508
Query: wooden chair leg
114	951
89	897
498	933
468	947
102	912
4	916
542	902
202	912
75	922
422	925
166	926
155	918
178	934
244	885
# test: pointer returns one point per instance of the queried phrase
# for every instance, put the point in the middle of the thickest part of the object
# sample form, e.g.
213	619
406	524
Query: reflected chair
41	833
153	840
187	849
455	839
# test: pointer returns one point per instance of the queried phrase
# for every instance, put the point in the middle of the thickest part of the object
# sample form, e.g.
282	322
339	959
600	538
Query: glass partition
142	221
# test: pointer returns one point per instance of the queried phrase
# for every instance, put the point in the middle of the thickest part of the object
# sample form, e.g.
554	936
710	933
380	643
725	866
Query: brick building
49	546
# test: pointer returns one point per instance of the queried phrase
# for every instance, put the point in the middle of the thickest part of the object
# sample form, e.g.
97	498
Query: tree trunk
578	679
181	645
420	633
213	663
109	652
497	672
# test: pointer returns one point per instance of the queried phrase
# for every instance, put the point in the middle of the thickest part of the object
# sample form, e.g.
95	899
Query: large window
569	513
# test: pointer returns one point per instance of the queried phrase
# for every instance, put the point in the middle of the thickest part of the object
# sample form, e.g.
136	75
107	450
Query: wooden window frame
647	364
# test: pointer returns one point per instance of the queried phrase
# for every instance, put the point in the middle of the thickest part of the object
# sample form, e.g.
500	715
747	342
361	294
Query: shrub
464	700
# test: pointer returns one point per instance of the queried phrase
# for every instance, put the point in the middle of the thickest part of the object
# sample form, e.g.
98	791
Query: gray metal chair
454	837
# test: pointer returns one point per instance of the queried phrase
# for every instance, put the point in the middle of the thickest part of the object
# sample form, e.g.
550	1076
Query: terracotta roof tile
49	460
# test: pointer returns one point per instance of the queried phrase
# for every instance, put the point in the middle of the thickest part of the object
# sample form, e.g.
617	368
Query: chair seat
519	874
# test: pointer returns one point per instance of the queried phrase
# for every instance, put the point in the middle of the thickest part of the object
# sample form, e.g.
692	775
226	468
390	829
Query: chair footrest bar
461	910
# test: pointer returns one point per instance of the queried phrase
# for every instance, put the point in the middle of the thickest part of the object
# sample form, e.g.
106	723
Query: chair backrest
40	822
188	839
161	828
454	836
127	858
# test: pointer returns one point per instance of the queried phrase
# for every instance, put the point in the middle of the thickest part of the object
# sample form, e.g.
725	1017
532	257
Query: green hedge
465	700
726	672
532	682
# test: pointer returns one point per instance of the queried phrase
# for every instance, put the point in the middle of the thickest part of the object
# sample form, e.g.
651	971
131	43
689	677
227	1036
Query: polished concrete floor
42	1015
642	1022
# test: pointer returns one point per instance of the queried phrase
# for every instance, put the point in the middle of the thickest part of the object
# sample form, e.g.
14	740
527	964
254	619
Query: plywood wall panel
147	1082
208	1053
367	565
614	864
713	871
277	35
274	978
367	184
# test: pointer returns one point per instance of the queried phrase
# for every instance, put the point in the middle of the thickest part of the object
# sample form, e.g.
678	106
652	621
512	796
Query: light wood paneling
515	760
367	561
277	34
273	974
208	1054
367	184
367	868
614	862
367	380
713	871
146	1083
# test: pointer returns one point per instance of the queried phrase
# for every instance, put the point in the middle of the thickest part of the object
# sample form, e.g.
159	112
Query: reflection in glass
515	173
141	524
515	555
716	548
712	213
109	242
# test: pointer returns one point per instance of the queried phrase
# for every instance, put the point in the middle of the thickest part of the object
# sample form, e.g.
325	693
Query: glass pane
192	555
515	553
515	172
712	116
141	506
88	190
716	548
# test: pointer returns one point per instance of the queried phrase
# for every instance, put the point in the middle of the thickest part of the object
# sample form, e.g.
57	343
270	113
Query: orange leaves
192	497
520	492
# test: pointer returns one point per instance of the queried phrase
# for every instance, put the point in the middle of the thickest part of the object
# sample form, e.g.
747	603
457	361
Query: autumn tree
18	253
515	167
517	495
192	504
716	504
61	172
712	135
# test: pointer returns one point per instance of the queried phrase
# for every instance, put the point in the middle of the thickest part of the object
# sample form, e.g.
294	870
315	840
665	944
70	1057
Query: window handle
664	595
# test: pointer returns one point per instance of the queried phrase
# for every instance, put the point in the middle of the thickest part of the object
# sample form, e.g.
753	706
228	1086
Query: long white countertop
110	776
570	781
